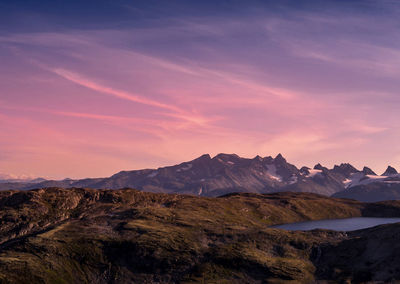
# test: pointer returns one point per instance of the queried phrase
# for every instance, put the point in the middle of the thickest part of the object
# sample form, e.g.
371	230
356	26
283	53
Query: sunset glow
143	84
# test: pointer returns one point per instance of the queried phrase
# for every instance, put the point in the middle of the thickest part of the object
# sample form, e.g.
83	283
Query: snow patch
361	179
200	190
313	173
185	168
153	174
376	177
225	162
293	179
272	173
347	182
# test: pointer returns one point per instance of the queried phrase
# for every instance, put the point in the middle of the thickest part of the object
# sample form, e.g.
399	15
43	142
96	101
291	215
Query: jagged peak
279	158
390	171
224	156
368	171
204	157
319	167
346	167
268	159
258	158
305	170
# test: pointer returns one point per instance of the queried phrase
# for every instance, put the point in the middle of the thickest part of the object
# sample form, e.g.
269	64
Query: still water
346	224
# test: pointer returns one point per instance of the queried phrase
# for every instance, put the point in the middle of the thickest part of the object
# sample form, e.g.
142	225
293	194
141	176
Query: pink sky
89	103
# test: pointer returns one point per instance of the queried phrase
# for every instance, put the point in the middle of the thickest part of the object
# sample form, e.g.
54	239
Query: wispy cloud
80	80
315	85
174	110
151	126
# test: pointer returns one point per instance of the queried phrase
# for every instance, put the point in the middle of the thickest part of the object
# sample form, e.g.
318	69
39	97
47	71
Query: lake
346	224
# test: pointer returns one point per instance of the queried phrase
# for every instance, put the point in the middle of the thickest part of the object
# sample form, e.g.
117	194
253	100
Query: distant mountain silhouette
227	173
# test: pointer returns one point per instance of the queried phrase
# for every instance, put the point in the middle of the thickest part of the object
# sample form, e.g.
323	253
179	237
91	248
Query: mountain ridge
226	173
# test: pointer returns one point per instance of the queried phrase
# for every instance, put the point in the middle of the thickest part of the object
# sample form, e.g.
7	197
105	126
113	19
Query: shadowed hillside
372	192
84	236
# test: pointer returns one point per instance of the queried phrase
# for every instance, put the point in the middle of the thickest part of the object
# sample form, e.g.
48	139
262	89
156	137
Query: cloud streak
174	110
80	80
316	84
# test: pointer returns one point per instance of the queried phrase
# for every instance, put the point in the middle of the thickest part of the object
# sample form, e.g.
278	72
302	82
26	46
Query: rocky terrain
76	235
227	173
373	192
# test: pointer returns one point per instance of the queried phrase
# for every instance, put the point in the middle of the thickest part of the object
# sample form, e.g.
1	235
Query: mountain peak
319	167
305	170
390	171
345	168
368	171
224	155
280	159
227	158
258	158
202	158
268	160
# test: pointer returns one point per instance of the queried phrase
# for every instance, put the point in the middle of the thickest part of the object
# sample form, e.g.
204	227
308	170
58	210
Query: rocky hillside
226	173
77	235
373	192
373	188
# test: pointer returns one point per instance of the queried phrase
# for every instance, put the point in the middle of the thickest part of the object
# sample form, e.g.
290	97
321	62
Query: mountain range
5	179
227	173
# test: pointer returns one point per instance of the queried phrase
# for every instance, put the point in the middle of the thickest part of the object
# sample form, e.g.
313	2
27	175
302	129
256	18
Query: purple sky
92	93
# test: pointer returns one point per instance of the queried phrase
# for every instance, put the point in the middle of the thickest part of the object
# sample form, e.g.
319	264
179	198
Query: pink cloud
137	110
175	111
80	80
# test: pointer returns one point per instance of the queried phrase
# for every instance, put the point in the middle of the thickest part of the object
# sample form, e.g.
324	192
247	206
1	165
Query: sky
89	88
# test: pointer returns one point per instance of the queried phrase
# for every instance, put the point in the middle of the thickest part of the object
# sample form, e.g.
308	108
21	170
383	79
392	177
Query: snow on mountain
372	188
272	172
185	168
360	178
10	178
153	174
390	171
226	173
313	173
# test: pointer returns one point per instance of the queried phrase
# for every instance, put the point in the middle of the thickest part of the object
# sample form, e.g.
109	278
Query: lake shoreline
338	224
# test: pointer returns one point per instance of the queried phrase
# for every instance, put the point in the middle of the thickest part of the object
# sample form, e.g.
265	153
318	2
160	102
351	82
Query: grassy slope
125	236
